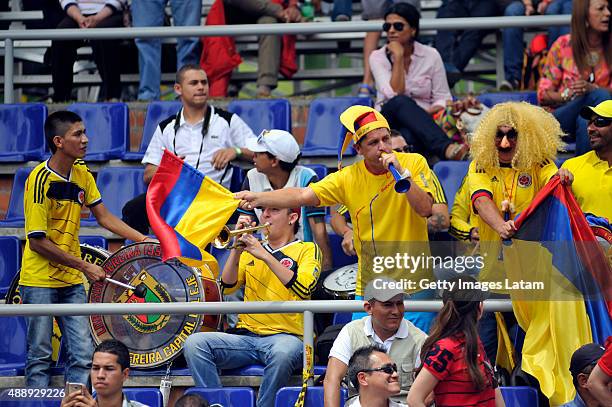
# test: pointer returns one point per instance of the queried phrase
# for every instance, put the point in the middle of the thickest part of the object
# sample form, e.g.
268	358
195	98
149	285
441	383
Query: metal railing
494	23
308	308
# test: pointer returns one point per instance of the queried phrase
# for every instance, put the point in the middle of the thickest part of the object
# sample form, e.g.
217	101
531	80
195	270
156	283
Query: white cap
279	143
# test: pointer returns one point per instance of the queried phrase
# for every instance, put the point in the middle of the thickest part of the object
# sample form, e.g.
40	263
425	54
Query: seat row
107	124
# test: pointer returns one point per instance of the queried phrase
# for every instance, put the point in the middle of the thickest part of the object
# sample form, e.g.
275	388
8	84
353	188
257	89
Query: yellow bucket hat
359	120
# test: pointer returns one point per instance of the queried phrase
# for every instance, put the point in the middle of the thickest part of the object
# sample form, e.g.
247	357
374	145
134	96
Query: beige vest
404	351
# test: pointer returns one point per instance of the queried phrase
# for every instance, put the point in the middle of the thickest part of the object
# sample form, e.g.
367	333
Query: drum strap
307	374
165	385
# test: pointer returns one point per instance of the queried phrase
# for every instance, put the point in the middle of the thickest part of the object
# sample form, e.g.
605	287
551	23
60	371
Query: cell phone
72	387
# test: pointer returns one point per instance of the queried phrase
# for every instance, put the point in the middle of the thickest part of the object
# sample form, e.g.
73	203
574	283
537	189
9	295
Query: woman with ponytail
455	366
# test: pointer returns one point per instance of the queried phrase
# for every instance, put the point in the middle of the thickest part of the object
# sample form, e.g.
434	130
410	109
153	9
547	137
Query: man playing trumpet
283	269
378	212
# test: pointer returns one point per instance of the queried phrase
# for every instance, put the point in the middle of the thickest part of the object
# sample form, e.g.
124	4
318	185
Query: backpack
534	59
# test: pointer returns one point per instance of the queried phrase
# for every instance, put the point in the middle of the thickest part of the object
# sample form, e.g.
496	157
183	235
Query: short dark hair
285	166
180	74
408	12
57	124
360	361
191	400
117	348
586	370
395	133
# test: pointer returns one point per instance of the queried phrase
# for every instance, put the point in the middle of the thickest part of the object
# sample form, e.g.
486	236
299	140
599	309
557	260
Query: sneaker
264	91
342	17
366	90
509	86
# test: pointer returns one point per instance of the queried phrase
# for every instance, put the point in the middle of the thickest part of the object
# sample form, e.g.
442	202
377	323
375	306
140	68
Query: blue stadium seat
117	185
221	255
107	126
12	345
33	403
263	114
22	135
450	174
320	169
237	179
14	214
342	318
10	261
287	396
226	396
99	241
340	258
156	112
324	131
491	99
151	397
521	396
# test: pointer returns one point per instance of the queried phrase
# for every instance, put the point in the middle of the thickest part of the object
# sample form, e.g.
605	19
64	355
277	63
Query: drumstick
139	291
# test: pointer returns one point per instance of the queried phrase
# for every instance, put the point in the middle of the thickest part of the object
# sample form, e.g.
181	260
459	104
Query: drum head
342	282
153	340
91	254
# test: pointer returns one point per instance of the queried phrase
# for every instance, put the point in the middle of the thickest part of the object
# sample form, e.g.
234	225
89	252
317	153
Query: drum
153	340
212	293
342	283
91	254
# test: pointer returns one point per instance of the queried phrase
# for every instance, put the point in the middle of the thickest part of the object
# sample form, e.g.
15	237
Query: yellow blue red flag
186	210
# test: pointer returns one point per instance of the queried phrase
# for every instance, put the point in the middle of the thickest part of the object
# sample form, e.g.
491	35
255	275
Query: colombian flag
555	244
187	210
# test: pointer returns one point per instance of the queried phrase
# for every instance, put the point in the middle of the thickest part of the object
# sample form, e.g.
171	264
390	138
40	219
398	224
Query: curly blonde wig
539	135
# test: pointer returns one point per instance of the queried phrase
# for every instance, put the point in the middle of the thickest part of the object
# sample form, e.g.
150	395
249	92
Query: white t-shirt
355	402
225	130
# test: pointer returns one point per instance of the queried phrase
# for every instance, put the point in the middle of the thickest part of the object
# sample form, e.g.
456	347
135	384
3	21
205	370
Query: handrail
254	29
254	307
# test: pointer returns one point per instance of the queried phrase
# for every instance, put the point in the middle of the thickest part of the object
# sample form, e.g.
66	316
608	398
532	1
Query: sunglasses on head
398	26
600	121
510	134
388	369
405	149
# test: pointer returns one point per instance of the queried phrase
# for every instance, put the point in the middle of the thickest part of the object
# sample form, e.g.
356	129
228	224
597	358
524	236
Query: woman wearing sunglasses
411	85
455	366
578	69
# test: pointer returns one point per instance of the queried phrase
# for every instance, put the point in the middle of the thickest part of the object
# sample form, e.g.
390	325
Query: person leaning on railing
578	72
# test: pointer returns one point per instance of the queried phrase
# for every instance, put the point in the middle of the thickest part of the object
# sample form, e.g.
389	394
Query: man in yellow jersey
378	213
513	151
592	185
52	270
462	216
283	269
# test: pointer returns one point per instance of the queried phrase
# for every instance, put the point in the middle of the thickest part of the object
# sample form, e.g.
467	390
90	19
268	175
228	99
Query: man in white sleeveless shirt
385	325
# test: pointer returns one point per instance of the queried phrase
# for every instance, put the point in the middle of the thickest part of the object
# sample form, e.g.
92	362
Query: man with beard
593	170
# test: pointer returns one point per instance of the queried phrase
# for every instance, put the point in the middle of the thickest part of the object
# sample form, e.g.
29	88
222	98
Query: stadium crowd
385	356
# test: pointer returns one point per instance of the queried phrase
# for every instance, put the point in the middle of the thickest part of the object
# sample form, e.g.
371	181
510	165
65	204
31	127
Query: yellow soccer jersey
261	284
463	218
592	184
52	208
519	186
438	196
378	213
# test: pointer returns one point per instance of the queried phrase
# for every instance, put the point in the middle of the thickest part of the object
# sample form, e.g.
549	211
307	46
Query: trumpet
223	240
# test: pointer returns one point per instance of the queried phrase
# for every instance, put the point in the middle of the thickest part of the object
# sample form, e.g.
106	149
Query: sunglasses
388	369
405	149
398	26
600	122
511	134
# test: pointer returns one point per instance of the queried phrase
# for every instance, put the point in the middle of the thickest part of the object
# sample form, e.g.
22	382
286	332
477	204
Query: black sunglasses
511	134
398	26
600	122
405	149
388	369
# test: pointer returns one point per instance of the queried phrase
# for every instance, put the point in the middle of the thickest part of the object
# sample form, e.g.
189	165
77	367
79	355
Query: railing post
309	342
499	59
8	70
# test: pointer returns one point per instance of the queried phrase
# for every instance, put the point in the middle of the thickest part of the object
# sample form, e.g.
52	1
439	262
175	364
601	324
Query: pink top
425	80
560	70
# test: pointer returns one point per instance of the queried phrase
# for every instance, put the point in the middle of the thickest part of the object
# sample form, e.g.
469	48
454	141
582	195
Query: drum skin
341	284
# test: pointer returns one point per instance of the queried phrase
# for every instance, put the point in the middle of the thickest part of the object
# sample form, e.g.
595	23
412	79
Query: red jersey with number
446	361
605	363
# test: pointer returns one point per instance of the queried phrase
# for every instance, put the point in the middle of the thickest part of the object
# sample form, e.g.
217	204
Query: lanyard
205	125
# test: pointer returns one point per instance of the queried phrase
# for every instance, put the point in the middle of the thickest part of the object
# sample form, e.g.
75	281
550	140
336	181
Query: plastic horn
139	291
222	241
401	184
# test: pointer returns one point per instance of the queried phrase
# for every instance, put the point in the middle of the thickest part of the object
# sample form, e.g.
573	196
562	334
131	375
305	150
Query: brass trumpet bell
223	240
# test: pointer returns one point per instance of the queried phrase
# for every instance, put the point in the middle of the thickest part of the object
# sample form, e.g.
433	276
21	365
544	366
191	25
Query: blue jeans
342	7
150	13
76	336
571	122
514	45
281	354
